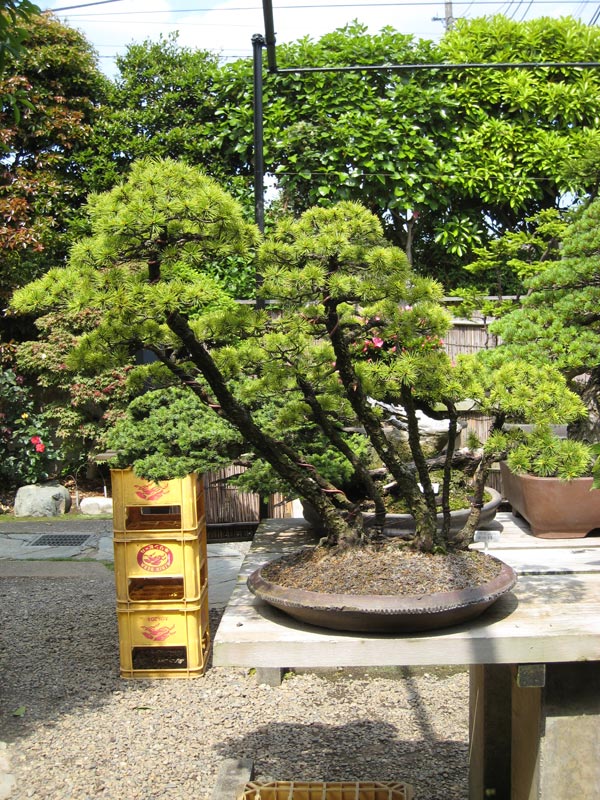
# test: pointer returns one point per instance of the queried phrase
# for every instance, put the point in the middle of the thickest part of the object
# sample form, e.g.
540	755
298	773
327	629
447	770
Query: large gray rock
92	506
42	500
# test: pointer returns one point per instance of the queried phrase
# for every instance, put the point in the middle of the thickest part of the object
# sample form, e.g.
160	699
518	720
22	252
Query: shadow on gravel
59	648
365	750
59	657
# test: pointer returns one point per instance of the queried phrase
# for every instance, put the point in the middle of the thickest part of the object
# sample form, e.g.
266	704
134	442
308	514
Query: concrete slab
232	777
223	570
20	545
64	524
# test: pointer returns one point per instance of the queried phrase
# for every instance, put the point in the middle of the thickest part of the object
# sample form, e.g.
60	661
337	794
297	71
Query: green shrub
29	455
546	456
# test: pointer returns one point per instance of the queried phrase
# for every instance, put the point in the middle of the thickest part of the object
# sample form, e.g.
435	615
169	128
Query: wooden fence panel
227	505
466	337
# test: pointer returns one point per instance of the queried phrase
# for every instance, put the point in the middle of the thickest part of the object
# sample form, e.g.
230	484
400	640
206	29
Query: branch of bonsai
361	472
305	481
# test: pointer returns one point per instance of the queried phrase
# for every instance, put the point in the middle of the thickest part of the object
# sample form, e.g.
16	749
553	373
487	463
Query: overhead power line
502	65
84	5
403	3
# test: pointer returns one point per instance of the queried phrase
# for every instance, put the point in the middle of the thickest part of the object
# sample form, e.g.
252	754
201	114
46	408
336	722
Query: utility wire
527	10
84	5
311	6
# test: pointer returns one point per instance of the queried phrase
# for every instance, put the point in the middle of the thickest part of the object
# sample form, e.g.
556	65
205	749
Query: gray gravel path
84	733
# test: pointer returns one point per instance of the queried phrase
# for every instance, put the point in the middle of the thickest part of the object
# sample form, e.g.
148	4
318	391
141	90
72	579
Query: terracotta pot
553	508
384	613
398	524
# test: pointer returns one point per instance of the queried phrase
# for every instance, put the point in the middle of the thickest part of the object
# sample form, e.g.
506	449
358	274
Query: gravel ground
85	733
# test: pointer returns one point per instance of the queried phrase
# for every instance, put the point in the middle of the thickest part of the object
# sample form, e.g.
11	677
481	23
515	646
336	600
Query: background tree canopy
452	162
13	13
41	177
159	106
448	160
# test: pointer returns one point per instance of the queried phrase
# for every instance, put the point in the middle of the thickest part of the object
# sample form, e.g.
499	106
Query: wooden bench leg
556	734
490	732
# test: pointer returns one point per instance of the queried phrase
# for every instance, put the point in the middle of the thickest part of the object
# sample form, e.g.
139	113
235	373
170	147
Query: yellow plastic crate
165	662
176	637
165	506
169	570
328	790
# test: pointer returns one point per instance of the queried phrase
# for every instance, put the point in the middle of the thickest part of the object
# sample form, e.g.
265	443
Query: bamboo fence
233	514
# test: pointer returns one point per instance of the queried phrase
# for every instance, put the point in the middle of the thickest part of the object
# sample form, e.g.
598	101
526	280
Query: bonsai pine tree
558	321
301	386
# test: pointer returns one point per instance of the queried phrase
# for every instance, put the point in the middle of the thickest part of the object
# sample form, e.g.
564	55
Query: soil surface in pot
381	570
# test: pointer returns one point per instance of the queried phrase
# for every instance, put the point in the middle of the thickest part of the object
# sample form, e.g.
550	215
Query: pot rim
383	604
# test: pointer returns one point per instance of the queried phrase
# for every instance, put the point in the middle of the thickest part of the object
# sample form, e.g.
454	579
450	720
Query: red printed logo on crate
155	557
157	632
151	491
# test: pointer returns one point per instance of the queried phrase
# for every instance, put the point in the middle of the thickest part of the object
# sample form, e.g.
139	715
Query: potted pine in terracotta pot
556	326
548	481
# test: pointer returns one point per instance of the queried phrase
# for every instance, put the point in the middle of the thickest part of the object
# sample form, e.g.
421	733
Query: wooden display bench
534	677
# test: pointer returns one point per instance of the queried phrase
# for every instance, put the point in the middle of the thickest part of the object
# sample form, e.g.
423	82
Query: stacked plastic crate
161	575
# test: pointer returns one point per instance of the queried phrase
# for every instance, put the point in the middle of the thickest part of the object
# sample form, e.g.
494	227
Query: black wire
312	6
415	67
84	5
527	11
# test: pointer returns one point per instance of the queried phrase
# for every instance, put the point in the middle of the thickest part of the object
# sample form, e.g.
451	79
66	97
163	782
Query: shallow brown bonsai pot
397	524
402	523
553	508
384	613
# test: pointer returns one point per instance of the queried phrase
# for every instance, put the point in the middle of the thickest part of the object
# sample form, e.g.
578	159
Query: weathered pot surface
384	613
553	508
397	524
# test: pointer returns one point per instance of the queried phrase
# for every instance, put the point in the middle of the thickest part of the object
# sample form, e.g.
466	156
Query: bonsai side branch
302	478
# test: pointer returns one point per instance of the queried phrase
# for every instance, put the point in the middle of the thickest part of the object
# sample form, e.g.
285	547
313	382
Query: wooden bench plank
553	614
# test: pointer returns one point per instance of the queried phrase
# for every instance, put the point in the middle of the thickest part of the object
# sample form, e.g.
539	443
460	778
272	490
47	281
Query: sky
227	27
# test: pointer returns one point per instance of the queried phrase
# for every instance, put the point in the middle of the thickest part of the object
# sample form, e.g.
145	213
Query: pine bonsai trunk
465	536
452	433
424	518
361	473
588	429
428	536
284	461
